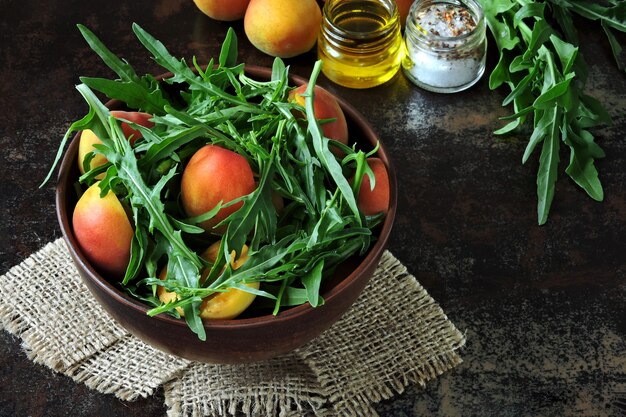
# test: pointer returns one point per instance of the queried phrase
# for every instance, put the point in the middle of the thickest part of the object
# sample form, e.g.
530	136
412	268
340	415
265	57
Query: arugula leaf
228	54
139	93
581	167
320	144
311	282
136	95
182	72
548	162
123	69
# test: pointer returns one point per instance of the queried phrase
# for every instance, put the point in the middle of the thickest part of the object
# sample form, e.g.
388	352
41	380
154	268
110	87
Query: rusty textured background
542	307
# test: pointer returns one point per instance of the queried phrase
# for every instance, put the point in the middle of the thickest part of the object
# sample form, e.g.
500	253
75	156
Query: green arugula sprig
610	13
547	78
290	254
137	92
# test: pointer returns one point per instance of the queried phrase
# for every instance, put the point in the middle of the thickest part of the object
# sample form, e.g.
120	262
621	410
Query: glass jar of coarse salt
445	44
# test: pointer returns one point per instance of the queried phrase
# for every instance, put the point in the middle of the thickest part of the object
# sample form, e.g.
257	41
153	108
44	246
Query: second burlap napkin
394	335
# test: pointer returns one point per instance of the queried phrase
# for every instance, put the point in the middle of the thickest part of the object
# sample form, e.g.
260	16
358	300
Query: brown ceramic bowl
244	339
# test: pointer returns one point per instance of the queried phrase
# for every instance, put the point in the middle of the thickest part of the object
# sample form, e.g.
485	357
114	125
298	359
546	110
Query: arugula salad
290	253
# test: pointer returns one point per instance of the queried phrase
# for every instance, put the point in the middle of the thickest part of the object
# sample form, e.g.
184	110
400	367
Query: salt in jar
446	44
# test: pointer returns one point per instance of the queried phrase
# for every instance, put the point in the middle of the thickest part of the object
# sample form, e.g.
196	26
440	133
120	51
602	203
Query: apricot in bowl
247	338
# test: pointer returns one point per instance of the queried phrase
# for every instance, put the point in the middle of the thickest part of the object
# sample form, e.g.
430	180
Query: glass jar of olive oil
360	43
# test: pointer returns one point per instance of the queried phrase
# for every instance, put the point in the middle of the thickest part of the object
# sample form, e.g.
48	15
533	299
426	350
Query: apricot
88	138
373	201
283	28
215	174
224	10
221	305
139	118
103	231
325	106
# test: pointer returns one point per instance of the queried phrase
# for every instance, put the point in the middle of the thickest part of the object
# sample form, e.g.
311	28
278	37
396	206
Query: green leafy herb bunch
540	61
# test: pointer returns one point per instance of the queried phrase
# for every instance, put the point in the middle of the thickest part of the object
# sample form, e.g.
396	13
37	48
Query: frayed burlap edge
129	369
282	386
44	302
34	297
255	405
443	340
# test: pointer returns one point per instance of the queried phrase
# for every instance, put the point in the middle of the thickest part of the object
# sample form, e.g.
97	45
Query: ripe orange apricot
88	138
283	28
221	305
224	10
85	145
377	200
103	231
215	174
325	106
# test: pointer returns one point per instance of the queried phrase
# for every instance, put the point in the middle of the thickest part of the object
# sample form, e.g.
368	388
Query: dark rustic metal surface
542	307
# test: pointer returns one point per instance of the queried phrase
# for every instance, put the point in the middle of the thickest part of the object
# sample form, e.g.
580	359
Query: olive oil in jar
360	42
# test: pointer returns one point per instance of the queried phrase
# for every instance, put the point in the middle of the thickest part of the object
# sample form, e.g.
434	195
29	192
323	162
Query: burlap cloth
394	335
